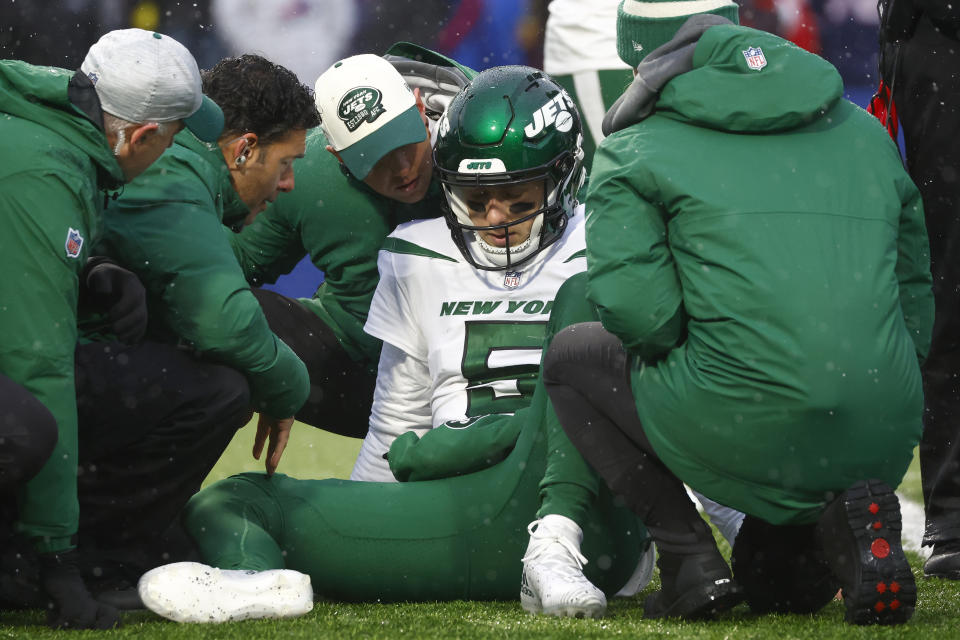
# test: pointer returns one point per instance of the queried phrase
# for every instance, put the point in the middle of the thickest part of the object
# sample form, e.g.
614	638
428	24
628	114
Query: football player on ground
463	306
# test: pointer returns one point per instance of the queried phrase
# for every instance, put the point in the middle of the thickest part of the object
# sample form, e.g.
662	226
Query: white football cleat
552	581
194	592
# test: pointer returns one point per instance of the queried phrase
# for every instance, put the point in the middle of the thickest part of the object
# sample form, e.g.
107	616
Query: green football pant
569	485
449	539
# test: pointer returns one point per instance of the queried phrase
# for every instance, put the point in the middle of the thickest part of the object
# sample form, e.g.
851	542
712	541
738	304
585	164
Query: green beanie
644	25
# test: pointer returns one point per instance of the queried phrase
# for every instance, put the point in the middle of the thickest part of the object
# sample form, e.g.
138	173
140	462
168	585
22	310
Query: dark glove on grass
71	606
117	292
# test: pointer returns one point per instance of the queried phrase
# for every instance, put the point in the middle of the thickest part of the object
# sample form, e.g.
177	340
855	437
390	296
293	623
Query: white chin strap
497	256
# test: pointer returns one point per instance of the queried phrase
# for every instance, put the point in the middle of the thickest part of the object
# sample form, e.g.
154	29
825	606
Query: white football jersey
458	341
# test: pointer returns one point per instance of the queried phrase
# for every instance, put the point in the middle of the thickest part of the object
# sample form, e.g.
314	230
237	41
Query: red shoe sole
879	587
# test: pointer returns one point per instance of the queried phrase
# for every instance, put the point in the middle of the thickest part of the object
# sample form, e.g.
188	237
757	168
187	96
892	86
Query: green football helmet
510	126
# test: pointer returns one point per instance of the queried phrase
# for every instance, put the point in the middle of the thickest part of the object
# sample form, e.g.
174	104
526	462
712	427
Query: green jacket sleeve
455	448
913	270
268	248
39	333
630	270
198	291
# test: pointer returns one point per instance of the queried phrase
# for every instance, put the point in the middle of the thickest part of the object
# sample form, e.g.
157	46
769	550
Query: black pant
153	420
585	373
341	388
927	95
28	433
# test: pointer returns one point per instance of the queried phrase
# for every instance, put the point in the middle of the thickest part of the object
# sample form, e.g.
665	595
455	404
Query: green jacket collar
234	210
727	77
40	94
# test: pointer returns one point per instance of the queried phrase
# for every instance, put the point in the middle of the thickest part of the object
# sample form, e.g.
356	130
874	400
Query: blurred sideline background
308	35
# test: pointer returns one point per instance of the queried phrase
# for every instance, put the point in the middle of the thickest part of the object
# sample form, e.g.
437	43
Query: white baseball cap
141	76
366	111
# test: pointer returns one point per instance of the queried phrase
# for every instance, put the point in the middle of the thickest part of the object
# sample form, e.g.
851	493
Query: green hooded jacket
340	223
755	242
56	162
168	228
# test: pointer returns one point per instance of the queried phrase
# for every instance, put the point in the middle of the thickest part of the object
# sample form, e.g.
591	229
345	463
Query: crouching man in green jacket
780	248
168	228
65	137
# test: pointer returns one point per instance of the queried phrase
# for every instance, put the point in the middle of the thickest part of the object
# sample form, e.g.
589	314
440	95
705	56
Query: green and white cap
141	76
366	111
644	25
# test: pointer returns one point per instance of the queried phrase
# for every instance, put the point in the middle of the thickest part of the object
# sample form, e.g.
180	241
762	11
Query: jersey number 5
501	362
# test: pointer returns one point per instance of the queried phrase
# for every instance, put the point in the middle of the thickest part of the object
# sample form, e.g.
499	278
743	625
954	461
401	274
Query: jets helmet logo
74	243
755	58
360	105
556	113
482	165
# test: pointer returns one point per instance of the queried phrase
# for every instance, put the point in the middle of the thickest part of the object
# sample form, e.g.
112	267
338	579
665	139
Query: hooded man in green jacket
168	228
368	168
758	257
66	137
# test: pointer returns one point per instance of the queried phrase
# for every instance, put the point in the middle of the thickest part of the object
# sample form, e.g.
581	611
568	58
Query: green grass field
312	453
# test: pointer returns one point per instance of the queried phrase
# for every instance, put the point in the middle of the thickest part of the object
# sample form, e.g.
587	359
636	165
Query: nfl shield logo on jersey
74	243
755	58
511	279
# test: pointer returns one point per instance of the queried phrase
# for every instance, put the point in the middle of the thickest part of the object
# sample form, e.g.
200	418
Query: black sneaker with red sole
860	536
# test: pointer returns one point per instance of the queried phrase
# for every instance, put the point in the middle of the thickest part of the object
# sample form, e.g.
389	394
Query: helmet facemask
556	201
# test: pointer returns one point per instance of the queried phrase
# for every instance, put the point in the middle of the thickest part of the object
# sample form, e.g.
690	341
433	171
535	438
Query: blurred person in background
487	33
793	20
58	33
920	61
848	35
305	36
381	23
580	53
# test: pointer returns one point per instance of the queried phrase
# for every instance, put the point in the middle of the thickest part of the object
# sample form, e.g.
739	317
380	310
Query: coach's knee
565	350
230	400
28	434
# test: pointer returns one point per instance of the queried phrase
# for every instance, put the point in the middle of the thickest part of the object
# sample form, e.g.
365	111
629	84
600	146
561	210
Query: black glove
71	605
112	289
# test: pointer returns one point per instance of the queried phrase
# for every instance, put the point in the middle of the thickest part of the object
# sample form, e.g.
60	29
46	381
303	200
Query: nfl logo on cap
511	279
755	58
